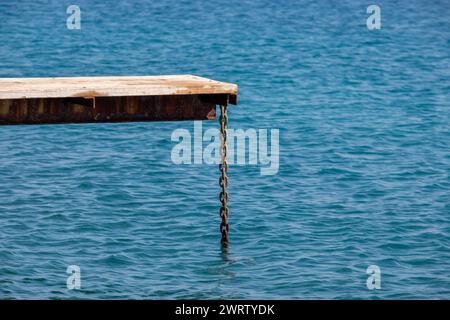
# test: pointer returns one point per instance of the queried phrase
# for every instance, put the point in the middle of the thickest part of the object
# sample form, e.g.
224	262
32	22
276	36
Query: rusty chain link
223	180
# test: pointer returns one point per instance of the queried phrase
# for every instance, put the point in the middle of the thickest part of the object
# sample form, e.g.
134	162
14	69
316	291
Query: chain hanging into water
223	180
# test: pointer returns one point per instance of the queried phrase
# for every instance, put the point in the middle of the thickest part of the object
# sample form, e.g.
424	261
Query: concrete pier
112	99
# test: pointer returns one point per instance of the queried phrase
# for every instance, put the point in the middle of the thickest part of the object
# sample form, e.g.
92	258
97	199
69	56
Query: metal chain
223	180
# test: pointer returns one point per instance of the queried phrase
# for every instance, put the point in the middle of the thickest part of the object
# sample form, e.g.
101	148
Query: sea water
364	154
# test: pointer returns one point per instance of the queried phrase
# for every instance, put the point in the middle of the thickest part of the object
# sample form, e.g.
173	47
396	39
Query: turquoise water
364	172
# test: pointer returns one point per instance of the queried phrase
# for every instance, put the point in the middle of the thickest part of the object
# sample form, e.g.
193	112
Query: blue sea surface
364	177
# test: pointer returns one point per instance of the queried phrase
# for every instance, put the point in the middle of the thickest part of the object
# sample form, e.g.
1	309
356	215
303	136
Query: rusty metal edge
111	109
